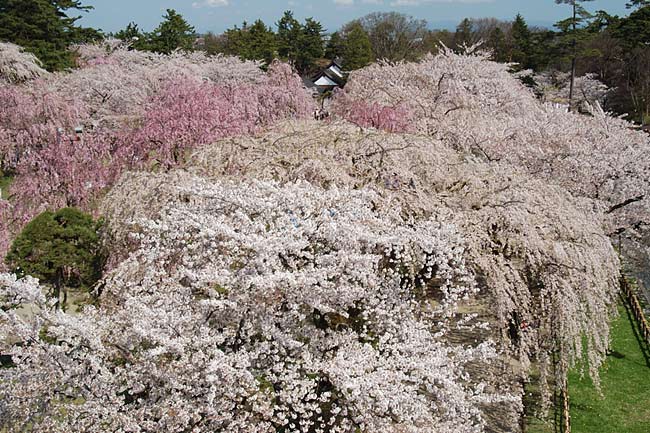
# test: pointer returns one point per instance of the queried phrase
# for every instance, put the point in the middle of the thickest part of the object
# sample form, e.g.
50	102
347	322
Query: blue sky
218	15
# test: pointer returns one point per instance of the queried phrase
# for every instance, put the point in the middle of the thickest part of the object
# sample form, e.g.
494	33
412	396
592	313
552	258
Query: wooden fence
632	299
562	422
635	305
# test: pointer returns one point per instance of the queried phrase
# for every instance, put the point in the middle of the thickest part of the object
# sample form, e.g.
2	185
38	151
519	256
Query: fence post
633	300
566	408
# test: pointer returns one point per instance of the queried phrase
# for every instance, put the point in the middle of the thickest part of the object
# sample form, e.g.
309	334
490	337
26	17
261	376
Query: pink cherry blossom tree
135	110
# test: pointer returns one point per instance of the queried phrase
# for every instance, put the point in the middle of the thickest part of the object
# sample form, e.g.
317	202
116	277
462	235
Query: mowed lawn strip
625	380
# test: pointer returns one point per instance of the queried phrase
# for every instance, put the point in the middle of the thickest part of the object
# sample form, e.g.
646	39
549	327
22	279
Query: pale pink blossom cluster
31	118
374	115
117	83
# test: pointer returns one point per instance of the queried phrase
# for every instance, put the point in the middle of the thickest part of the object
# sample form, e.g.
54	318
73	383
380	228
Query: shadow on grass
644	347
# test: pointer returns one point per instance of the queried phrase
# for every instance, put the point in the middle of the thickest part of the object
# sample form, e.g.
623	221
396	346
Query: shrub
59	248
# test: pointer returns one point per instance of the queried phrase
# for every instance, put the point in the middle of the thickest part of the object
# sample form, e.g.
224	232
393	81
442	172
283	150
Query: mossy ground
5	181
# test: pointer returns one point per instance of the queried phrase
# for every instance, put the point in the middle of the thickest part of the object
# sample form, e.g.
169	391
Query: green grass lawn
625	376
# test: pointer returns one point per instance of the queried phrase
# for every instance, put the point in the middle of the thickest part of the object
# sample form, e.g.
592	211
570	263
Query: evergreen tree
289	34
134	36
632	80
300	44
172	34
497	42
521	42
61	249
335	46
463	35
235	41
357	51
542	50
634	30
310	45
131	33
637	3
256	42
262	43
571	27
44	28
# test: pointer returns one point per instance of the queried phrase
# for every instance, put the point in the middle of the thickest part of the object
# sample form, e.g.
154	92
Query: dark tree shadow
643	345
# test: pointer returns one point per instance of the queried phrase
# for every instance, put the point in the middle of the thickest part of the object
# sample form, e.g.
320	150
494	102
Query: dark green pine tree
300	44
335	46
61	249
173	33
256	42
521	43
572	30
463	35
289	35
357	51
310	45
262	43
236	41
498	44
130	33
633	31
43	27
637	3
134	36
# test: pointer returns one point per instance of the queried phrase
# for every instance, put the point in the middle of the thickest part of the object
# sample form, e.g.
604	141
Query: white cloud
210	3
351	2
421	2
407	2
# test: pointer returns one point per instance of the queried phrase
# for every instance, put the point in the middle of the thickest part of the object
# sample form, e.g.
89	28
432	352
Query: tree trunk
57	290
573	59
64	305
58	285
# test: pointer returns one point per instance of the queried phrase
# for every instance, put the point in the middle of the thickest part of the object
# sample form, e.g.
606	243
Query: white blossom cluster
554	88
18	66
256	307
540	253
477	106
322	277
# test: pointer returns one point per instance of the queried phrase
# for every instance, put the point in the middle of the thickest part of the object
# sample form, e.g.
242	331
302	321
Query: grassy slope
625	378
